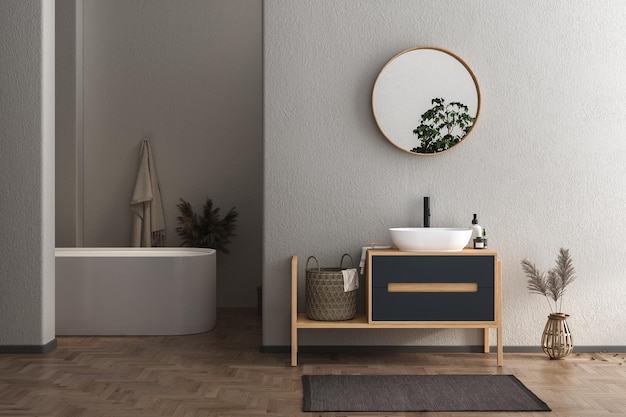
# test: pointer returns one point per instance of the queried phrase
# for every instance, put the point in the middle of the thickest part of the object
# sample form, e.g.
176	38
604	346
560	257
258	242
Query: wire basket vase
556	341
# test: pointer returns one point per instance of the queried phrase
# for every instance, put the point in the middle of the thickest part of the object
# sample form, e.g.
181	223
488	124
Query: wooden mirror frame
420	90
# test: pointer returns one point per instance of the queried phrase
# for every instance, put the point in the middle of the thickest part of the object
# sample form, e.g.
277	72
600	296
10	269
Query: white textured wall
27	173
544	168
186	75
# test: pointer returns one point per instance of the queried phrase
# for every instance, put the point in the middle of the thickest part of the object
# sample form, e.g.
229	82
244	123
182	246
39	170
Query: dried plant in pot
556	340
208	229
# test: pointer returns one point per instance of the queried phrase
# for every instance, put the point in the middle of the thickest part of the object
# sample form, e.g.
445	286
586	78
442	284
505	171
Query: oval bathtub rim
130	252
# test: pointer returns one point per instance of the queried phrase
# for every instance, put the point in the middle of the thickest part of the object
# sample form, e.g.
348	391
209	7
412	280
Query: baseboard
29	348
577	349
429	349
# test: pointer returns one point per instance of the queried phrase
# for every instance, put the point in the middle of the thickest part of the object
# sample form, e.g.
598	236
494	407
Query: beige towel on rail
148	222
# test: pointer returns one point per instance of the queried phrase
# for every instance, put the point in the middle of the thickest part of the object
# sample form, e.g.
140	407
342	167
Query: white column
27	112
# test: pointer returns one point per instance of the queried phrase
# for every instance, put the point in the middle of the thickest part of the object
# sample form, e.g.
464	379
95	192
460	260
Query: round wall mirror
425	100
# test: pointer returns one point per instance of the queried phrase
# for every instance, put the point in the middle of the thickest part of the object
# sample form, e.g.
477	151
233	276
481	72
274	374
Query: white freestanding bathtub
134	291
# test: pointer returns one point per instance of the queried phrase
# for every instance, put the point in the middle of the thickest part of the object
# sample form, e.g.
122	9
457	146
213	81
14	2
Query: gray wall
187	76
69	122
27	173
544	167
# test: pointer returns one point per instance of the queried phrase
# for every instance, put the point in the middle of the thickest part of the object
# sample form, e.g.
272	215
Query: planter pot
556	341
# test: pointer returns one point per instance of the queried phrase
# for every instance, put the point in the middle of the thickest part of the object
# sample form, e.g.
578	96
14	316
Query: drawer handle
432	287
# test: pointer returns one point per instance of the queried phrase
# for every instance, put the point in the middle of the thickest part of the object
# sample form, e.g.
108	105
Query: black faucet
426	211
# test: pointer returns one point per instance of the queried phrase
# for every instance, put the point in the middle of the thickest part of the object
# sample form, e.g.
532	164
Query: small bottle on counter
484	238
477	230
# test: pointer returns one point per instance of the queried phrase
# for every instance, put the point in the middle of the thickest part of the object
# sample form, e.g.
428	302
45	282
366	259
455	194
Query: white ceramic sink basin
415	239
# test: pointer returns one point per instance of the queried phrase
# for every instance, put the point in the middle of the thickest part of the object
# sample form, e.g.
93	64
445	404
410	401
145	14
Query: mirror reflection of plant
442	126
208	230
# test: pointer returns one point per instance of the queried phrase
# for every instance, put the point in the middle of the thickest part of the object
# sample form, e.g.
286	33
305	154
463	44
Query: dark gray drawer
433	269
398	293
439	306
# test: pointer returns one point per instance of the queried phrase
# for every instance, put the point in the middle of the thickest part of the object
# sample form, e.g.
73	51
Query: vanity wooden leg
486	340
294	310
500	359
294	346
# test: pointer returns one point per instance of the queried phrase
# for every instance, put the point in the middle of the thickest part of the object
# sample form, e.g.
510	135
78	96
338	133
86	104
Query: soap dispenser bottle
477	231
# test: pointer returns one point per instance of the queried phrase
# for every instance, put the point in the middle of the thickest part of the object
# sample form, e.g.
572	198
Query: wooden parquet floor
223	373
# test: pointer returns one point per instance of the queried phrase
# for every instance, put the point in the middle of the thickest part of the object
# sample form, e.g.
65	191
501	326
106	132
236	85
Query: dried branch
536	280
553	286
564	272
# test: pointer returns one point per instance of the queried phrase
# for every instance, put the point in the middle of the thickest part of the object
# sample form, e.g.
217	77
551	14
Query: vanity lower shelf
365	320
360	322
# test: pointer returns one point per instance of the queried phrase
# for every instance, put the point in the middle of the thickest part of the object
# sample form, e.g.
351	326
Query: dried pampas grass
552	286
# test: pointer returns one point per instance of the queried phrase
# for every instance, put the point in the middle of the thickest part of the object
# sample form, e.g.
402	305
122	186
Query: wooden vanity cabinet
422	290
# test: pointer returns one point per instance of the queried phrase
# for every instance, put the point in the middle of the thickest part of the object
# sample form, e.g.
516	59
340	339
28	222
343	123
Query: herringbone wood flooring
222	373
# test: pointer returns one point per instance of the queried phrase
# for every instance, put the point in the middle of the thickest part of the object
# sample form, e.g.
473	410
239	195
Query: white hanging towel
350	279
148	222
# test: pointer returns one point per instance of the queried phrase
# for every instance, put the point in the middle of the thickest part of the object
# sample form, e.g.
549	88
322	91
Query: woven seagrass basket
325	297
